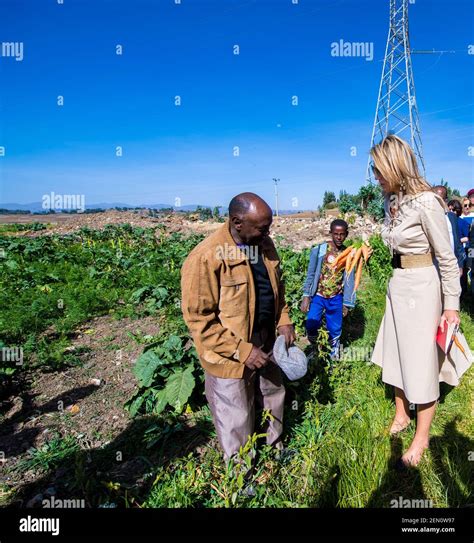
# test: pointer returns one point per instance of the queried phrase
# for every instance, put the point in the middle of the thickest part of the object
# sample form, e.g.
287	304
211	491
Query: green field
336	423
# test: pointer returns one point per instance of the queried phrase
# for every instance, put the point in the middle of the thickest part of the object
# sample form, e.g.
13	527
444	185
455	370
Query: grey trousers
232	403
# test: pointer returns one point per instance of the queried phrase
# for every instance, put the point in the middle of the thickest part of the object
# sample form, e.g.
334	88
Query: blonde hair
464	200
395	161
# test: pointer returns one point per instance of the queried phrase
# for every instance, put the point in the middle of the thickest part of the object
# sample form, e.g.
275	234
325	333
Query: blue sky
228	100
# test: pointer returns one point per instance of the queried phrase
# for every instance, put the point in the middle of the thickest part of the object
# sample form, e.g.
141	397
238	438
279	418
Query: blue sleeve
313	260
349	294
458	248
463	228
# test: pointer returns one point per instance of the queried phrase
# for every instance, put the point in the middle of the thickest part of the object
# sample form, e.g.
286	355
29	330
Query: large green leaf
145	367
161	400
173	343
179	387
135	405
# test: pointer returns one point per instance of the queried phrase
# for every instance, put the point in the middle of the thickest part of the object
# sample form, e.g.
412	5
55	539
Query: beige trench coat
406	347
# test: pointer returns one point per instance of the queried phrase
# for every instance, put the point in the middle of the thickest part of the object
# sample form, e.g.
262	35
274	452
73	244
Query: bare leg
421	440
402	412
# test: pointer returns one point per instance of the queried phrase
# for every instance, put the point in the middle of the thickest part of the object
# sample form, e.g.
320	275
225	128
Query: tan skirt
406	347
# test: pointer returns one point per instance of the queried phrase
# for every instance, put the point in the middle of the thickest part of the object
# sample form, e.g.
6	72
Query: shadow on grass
395	485
450	453
317	385
453	455
353	325
125	466
14	443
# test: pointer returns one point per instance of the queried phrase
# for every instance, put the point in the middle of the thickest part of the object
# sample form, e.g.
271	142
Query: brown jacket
218	301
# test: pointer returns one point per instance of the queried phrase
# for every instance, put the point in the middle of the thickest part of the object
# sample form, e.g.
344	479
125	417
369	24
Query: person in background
468	215
463	226
327	292
470	197
453	228
470	258
467	211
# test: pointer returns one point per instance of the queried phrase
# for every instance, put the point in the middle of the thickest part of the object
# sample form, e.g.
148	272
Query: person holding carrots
330	286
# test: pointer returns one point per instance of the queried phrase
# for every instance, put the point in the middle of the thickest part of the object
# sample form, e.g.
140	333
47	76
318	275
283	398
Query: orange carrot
365	252
356	258
358	274
342	256
349	258
340	265
458	344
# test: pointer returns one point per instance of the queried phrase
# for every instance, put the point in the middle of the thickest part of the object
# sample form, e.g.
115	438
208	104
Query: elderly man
233	302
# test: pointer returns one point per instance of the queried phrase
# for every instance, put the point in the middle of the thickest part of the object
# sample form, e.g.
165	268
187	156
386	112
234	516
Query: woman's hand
449	316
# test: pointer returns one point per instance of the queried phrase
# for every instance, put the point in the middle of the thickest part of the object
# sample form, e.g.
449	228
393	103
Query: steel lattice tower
397	112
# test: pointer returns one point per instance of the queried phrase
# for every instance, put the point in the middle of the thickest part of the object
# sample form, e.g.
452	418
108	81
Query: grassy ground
344	455
336	424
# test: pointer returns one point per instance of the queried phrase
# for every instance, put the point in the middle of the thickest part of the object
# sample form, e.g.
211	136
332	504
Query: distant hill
36	207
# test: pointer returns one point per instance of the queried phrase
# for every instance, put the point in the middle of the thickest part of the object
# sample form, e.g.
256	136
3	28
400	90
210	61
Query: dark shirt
264	298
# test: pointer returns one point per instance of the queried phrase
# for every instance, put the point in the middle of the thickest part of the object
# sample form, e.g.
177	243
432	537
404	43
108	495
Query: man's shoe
248	491
283	456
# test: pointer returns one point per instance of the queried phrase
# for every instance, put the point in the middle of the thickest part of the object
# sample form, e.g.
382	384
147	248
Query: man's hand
305	303
345	311
460	272
288	331
257	359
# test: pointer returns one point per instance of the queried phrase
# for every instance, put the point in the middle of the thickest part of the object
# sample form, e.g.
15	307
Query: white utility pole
276	180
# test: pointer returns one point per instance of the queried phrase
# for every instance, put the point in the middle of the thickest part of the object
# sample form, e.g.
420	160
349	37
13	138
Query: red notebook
445	338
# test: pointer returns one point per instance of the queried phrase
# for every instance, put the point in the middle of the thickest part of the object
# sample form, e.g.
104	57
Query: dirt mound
298	231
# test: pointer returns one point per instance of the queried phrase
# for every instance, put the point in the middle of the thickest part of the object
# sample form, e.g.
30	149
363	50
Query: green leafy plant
165	374
379	264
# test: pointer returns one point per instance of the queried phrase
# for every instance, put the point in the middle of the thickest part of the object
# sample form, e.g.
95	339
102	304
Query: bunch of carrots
353	257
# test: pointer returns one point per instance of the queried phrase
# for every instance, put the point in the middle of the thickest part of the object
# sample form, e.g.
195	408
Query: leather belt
412	261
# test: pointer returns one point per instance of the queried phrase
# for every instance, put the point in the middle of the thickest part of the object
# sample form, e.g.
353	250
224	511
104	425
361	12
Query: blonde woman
466	208
423	293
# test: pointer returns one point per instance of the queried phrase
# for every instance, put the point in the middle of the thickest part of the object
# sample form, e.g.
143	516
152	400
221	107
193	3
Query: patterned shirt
330	283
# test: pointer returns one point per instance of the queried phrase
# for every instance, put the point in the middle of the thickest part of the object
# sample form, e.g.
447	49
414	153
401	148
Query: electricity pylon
397	111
